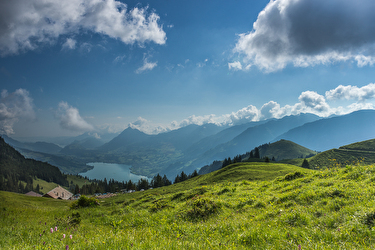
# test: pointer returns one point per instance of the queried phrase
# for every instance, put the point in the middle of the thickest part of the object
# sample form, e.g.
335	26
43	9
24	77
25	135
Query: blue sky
69	67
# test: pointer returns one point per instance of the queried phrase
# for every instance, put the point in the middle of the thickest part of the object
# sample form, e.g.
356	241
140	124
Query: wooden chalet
59	193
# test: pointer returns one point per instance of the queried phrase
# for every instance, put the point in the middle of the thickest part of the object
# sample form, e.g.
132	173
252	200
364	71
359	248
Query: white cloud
146	66
306	33
235	65
13	107
249	113
273	110
314	101
307	102
70	118
69	44
352	92
119	59
147	127
26	25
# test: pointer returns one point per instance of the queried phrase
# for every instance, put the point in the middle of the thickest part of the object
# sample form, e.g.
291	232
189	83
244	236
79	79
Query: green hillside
304	209
360	152
279	150
368	145
16	170
284	149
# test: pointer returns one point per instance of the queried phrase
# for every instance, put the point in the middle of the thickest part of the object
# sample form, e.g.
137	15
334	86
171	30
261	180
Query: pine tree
305	164
256	154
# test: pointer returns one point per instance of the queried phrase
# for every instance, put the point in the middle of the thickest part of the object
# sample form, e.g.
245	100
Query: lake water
118	172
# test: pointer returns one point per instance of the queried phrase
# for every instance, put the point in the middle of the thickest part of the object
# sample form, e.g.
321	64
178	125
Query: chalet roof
59	193
32	193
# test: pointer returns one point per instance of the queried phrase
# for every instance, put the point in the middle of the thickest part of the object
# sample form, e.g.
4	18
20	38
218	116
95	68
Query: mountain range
194	146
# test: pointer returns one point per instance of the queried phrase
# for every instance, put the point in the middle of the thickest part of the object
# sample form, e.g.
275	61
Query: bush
158	205
293	176
201	208
84	201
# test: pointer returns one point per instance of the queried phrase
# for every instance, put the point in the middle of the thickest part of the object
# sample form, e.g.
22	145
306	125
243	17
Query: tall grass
329	209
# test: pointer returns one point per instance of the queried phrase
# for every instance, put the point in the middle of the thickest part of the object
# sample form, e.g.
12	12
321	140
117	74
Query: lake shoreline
115	171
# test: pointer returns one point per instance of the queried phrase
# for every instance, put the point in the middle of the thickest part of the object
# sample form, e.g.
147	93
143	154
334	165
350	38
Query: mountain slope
254	136
284	149
279	150
43	147
219	138
14	167
333	132
359	152
127	137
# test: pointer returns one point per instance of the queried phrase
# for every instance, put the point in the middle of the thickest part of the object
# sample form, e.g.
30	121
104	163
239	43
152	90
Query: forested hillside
17	173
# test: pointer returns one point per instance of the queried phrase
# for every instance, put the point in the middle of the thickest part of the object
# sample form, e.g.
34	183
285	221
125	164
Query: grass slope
368	145
329	209
284	149
363	152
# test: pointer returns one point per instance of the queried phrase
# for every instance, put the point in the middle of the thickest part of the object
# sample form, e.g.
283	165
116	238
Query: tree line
17	173
112	186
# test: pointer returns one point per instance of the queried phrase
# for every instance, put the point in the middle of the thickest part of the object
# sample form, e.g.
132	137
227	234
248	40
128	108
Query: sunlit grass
328	209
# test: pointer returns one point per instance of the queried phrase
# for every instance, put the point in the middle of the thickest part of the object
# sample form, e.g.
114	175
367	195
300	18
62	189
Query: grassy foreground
329	209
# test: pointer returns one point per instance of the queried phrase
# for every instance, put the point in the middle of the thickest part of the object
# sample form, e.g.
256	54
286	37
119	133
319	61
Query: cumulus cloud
69	44
249	113
235	65
147	127
352	92
306	33
307	102
14	106
70	118
272	109
314	101
146	66
26	25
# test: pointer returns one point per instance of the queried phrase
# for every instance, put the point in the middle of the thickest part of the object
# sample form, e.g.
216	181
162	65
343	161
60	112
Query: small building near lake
32	193
59	193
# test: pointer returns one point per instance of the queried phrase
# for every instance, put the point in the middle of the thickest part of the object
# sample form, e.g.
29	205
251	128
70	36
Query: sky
70	67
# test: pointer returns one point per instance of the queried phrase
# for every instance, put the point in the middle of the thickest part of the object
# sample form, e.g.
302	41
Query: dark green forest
17	173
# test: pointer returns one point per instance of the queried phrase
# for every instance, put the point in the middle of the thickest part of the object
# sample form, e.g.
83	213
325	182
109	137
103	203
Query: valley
194	146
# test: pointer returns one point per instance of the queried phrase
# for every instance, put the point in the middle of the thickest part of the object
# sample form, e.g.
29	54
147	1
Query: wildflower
299	247
56	228
51	230
70	236
67	247
40	234
44	242
63	236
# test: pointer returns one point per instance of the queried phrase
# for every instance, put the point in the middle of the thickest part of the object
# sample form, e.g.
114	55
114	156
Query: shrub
158	205
293	176
178	196
201	208
195	192
369	219
84	201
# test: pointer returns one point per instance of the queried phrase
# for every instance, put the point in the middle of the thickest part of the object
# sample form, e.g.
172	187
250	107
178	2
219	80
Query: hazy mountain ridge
43	147
251	137
328	133
194	146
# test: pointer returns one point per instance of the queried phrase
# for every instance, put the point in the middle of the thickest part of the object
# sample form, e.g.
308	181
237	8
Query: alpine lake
117	172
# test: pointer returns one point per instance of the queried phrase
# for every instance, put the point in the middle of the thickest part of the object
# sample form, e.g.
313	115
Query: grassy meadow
243	206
